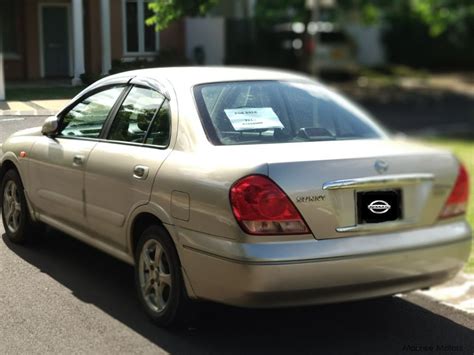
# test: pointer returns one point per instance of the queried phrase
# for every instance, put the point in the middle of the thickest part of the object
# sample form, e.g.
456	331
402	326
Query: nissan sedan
253	188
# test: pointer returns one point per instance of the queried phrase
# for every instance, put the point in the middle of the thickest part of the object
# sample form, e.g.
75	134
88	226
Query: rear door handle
78	160
140	172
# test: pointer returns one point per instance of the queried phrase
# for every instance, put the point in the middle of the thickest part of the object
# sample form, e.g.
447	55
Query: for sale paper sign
249	118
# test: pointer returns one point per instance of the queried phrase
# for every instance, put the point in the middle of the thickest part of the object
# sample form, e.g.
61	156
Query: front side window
257	112
86	118
135	115
139	37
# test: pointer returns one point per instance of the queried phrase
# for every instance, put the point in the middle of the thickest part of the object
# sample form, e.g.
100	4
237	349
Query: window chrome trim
374	227
161	147
102	140
401	179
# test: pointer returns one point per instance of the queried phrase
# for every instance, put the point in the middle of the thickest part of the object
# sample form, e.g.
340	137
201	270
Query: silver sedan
248	187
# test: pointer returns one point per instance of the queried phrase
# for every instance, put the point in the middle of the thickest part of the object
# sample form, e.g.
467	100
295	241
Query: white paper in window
249	118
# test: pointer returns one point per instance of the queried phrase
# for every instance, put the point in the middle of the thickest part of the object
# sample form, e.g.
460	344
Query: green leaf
167	11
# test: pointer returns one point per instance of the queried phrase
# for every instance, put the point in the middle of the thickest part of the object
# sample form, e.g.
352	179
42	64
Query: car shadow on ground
388	325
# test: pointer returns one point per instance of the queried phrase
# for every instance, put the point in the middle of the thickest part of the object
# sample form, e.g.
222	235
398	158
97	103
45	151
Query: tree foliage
167	11
439	15
274	11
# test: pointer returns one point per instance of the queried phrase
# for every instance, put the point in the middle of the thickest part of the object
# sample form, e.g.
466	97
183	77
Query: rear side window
135	115
159	131
87	117
258	112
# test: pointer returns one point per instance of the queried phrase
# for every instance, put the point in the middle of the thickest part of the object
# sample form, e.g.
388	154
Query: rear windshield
258	112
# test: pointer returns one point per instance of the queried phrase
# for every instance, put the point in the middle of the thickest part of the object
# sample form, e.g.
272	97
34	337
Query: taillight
457	202
261	207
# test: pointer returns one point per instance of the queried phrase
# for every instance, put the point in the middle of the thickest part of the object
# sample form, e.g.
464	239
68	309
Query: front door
55	34
57	165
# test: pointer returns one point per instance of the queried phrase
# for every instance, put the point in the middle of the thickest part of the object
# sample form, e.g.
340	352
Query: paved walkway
32	108
457	293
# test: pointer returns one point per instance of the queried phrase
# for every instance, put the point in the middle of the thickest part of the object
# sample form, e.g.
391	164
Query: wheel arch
141	222
10	162
7	165
140	218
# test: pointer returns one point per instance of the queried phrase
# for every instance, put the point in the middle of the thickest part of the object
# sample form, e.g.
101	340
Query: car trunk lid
325	181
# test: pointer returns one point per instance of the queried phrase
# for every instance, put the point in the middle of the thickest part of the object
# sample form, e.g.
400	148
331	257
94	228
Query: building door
55	33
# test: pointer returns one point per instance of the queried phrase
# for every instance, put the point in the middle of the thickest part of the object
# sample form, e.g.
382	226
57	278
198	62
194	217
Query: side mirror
50	126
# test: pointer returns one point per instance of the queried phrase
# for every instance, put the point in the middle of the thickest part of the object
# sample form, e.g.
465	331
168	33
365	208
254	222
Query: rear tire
17	222
159	279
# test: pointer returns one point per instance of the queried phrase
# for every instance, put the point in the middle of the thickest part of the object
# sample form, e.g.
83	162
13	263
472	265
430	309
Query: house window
138	37
9	31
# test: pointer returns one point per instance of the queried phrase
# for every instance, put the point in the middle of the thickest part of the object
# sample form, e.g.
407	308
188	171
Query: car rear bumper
269	275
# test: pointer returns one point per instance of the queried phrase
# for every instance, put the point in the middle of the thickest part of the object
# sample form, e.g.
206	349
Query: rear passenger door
121	168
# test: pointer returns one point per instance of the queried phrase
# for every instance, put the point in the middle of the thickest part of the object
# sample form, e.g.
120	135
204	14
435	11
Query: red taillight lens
457	202
261	207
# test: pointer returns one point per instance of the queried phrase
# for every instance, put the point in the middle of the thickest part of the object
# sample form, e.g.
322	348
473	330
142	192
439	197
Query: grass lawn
464	149
51	93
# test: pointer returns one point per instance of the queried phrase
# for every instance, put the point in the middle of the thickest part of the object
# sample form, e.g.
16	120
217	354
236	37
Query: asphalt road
9	125
61	296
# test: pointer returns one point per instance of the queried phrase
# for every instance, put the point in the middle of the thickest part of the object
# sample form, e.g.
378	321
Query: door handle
78	160
140	172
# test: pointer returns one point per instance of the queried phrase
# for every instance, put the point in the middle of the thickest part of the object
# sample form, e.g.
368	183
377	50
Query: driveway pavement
31	108
61	296
458	293
12	124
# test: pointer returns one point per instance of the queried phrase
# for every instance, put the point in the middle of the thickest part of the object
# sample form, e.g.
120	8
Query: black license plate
379	206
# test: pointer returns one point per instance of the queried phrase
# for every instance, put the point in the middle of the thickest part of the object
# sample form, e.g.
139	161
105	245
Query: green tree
274	11
167	11
438	15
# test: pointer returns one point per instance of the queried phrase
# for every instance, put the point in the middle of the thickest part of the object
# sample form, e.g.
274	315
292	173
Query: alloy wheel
155	276
12	206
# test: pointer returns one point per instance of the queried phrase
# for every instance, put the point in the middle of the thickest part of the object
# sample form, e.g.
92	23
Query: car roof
191	76
188	77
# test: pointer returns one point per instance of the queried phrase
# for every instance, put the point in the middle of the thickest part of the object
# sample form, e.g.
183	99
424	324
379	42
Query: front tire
159	280
16	218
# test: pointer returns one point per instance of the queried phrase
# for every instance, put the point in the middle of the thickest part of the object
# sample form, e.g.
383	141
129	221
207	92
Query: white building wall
370	50
208	32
